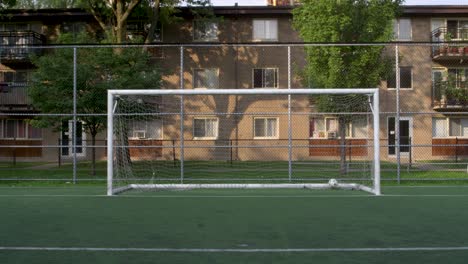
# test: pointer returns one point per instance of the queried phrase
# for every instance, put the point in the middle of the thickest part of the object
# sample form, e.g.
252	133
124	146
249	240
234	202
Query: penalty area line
235	250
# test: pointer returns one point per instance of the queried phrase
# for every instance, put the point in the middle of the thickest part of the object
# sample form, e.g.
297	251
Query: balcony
15	45
448	97
452	44
13	95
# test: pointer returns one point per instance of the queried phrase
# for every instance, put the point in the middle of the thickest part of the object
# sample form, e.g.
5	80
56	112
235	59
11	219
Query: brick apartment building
429	116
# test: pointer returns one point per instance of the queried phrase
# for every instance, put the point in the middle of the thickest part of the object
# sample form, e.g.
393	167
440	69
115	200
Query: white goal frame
375	108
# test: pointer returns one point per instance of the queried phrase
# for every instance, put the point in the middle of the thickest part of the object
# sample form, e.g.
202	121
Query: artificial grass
81	217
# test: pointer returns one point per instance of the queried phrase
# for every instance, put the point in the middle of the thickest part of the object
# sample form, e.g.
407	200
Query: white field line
232	196
235	250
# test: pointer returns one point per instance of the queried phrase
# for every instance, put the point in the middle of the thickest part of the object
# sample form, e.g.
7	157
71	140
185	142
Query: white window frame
205	69
199	35
446	121
397	26
458	19
84	142
132	137
404	88
265	118
265	23
26	130
448	126
326	132
349	130
205	137
263	69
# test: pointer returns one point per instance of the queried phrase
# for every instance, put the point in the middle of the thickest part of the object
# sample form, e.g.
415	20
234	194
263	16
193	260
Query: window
18	129
265	78
146	129
458	127
439	127
406	79
449	127
458	77
206	78
205	128
205	30
402	29
457	29
265	127
265	29
321	127
357	128
327	127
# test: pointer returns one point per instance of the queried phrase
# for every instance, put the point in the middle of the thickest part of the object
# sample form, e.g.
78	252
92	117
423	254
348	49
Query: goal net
243	138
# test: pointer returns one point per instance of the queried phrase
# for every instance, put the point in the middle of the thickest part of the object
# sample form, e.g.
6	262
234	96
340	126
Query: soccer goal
243	138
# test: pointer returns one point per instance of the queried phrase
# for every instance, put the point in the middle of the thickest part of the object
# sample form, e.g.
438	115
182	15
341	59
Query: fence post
181	155
289	118
456	150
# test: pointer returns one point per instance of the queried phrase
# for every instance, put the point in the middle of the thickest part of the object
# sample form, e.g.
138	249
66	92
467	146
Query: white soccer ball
333	182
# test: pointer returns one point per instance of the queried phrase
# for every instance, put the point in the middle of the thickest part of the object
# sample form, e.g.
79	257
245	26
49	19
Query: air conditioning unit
140	134
331	135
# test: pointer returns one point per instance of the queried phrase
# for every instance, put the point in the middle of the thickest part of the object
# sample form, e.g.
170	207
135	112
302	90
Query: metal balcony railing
449	95
447	39
14	44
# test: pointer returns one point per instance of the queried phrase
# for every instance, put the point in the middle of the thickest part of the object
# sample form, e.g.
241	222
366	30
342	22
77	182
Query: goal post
243	138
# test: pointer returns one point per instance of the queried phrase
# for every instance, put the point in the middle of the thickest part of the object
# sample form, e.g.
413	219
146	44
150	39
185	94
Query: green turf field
81	225
225	171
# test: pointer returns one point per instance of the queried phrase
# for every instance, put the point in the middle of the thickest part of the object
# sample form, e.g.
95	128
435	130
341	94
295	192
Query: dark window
406	79
265	78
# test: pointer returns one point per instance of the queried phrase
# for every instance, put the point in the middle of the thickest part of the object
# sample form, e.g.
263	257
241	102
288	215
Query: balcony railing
14	94
447	46
14	44
446	96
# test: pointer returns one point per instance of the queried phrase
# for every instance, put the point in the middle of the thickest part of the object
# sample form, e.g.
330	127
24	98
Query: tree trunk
153	22
93	154
342	142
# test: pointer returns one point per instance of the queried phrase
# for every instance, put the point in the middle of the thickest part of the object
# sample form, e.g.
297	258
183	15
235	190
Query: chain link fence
53	108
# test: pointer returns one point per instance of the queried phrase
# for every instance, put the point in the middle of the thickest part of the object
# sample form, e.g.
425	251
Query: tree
39	4
98	69
4	4
345	21
112	15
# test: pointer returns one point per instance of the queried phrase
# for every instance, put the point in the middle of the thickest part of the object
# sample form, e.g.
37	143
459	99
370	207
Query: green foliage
98	69
345	21
40	4
6	4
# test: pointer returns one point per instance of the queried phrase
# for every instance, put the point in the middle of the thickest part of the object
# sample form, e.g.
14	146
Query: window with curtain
439	127
265	29
20	129
205	128
265	127
458	127
402	29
